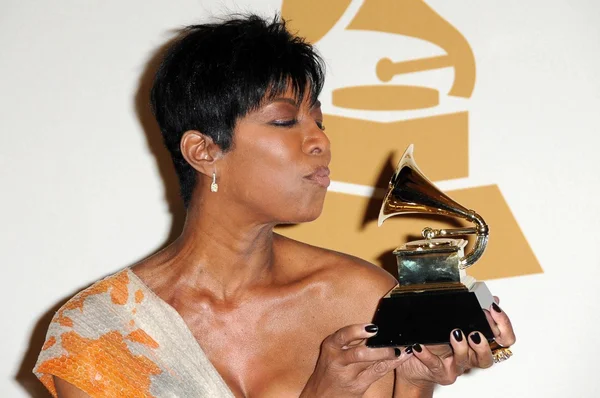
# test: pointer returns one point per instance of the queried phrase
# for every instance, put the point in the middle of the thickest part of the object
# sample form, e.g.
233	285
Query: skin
276	317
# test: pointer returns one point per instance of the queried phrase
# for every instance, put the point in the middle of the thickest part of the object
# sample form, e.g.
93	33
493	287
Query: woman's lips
320	177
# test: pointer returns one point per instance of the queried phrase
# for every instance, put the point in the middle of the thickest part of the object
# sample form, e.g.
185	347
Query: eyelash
293	122
285	123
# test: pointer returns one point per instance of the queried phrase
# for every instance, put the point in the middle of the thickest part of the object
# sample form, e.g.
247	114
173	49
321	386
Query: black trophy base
427	318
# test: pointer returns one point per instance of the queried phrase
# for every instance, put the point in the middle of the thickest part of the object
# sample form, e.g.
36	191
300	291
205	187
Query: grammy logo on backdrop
348	222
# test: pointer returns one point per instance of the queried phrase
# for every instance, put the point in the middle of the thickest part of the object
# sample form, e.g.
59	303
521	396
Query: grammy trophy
434	294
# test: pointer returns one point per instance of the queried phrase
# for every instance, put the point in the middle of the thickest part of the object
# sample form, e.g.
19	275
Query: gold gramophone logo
365	151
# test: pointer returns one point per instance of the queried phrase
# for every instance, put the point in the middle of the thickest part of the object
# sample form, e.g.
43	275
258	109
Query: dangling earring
214	187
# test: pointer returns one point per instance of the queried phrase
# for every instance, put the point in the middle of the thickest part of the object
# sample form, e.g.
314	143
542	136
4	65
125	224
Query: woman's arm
347	368
406	390
386	387
68	390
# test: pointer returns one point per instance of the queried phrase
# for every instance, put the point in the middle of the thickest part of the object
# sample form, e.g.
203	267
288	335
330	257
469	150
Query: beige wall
501	99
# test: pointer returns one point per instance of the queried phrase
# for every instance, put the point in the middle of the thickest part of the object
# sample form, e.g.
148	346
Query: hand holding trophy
434	295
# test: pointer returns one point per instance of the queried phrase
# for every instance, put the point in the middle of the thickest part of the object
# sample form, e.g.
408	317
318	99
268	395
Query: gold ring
501	354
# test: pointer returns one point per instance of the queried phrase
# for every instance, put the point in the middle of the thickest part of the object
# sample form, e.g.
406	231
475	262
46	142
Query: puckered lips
319	176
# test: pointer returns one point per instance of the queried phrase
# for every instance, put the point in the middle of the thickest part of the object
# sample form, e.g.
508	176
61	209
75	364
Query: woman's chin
303	217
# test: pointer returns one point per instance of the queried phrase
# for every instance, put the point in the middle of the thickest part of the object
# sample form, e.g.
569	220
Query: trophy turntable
434	294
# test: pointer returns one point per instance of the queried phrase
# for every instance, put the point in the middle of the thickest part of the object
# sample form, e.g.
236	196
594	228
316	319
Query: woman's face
278	166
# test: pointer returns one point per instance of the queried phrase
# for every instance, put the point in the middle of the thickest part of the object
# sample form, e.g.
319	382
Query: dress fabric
119	339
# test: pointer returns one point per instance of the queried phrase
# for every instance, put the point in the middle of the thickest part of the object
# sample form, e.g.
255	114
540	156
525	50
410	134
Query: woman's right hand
347	367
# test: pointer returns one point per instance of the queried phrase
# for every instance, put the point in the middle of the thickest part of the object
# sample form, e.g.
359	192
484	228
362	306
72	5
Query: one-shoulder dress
119	339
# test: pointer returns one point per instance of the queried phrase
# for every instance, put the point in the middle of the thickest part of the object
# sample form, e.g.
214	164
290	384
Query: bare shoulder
356	277
354	284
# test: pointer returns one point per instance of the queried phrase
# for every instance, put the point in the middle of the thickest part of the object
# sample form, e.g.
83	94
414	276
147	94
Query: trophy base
427	317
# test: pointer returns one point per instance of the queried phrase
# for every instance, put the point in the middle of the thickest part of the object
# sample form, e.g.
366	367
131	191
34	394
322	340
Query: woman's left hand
443	364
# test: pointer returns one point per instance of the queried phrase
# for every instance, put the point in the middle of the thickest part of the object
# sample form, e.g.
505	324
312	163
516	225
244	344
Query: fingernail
397	352
476	337
457	335
371	328
418	347
408	350
496	308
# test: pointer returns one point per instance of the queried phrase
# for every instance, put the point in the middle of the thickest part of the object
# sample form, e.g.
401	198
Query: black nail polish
476	337
408	350
418	347
496	307
457	335
371	328
397	352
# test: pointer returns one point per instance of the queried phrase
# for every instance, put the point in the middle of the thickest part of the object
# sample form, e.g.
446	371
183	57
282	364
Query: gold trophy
434	294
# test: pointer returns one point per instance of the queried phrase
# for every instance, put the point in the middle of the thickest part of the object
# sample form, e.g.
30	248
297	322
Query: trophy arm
481	230
480	243
474	255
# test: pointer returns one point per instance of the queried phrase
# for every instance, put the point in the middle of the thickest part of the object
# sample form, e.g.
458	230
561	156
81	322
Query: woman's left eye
293	122
285	123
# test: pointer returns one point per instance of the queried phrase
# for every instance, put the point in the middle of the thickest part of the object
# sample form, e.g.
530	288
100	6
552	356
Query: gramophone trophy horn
434	294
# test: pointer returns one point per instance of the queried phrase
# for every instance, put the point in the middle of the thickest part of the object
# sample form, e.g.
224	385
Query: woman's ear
199	151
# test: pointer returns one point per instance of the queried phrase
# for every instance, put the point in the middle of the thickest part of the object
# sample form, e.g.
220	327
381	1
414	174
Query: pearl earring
214	187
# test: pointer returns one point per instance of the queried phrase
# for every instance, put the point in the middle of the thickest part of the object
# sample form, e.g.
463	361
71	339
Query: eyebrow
294	103
284	99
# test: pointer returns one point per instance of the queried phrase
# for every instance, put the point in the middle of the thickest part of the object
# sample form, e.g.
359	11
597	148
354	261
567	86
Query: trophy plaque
434	294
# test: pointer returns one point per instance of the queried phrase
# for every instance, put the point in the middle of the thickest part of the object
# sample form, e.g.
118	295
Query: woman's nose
316	142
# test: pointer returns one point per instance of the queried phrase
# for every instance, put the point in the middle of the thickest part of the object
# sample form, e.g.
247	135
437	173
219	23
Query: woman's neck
222	252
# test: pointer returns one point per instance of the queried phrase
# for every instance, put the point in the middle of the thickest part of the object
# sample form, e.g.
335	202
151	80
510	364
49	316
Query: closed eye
285	123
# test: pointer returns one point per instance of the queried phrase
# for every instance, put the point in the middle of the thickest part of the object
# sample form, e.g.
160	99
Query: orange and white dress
119	339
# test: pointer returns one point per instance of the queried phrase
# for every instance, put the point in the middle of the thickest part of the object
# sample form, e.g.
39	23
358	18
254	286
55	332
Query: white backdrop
82	176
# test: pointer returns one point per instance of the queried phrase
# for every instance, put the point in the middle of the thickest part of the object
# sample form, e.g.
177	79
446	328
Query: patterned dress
119	339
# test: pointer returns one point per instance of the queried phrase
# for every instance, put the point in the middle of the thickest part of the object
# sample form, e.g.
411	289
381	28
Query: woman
231	308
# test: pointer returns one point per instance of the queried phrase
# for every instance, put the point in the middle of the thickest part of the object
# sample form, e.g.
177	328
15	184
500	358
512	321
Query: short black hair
214	74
